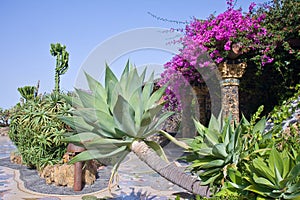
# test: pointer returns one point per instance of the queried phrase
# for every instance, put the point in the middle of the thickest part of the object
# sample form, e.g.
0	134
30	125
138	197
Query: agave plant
114	119
220	147
277	177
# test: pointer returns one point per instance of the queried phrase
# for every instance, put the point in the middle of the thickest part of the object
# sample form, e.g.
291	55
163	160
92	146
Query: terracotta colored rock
63	174
15	158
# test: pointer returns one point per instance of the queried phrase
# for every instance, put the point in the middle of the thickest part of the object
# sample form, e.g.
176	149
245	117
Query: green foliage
285	110
241	160
275	82
4	117
108	119
37	132
277	177
221	147
27	92
62	59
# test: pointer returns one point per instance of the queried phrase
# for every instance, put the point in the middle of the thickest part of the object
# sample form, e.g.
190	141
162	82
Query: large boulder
63	174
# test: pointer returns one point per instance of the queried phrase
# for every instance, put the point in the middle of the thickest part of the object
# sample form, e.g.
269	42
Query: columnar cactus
62	59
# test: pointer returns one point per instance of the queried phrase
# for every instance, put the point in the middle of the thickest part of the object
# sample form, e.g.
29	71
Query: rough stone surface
15	158
4	131
230	101
63	175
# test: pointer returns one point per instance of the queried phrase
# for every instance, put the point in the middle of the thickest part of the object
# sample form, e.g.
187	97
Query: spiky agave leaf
107	119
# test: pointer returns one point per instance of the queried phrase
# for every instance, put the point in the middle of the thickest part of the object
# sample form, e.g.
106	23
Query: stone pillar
202	95
231	73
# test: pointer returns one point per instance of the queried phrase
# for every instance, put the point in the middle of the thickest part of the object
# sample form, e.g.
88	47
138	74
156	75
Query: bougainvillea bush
229	34
261	37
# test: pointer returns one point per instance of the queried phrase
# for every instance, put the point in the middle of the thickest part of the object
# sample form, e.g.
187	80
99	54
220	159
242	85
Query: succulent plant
109	119
277	177
112	120
220	147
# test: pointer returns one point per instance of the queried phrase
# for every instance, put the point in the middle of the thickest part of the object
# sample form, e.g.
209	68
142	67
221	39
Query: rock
63	174
4	131
16	158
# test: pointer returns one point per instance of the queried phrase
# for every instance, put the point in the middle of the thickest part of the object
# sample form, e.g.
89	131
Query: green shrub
221	147
37	132
242	160
277	177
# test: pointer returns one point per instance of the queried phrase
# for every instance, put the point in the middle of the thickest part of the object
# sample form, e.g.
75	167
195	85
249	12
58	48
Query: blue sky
29	27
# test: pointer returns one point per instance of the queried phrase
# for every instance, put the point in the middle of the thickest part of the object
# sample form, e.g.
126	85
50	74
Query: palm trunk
169	171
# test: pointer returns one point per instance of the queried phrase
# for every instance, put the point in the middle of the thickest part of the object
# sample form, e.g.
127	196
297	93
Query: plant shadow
134	195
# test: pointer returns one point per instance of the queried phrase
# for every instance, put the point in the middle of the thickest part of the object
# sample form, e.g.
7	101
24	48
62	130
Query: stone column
231	73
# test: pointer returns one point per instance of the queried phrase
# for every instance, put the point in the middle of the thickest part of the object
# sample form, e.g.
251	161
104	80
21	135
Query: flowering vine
229	35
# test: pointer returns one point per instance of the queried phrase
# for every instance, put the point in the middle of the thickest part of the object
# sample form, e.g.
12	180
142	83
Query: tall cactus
62	59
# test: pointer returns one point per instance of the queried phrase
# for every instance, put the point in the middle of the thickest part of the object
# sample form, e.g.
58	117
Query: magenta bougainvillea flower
231	34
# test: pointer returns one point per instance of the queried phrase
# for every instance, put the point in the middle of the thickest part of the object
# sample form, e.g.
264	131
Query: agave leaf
109	141
263	181
110	77
214	124
227	134
133	82
210	172
76	123
94	154
97	89
87	100
148	88
126	69
278	176
214	163
263	170
124	114
113	94
201	129
275	161
219	150
106	123
81	137
116	166
154	126
149	115
142	76
210	180
158	149
211	137
137	103
74	101
88	114
155	97
258	189
124	76
205	151
295	172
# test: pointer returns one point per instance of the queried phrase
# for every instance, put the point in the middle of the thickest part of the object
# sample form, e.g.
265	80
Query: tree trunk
169	171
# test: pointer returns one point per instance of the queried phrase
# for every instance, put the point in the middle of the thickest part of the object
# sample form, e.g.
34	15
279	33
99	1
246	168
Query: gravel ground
33	182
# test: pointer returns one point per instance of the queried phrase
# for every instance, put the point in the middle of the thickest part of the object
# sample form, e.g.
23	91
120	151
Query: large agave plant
112	120
108	119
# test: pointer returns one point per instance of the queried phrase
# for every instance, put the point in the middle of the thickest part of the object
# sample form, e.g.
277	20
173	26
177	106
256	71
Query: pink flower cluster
217	35
212	41
179	74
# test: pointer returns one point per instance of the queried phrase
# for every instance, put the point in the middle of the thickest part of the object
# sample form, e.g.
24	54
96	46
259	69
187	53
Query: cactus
27	92
62	59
